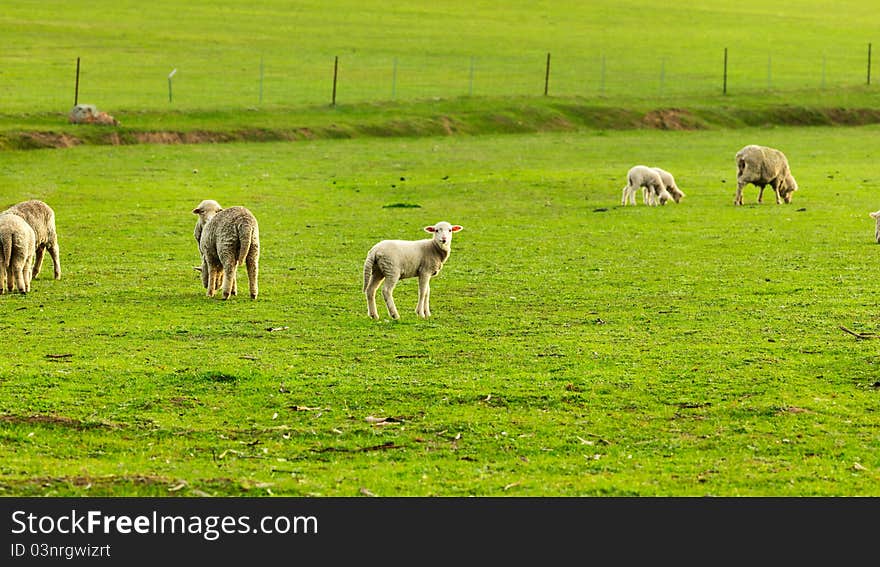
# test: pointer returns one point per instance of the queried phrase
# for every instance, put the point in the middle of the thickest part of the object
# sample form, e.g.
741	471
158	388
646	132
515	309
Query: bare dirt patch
671	119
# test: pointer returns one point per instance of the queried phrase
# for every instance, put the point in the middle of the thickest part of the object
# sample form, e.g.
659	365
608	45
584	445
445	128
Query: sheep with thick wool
393	260
643	176
41	218
762	166
17	250
227	239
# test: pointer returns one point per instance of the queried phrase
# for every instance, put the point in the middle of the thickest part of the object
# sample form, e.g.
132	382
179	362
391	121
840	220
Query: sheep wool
643	176
17	250
227	239
393	260
670	185
41	218
762	166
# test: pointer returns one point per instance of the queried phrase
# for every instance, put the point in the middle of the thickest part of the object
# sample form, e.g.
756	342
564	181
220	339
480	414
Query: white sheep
17	250
394	260
643	176
876	216
670	185
41	217
227	239
762	166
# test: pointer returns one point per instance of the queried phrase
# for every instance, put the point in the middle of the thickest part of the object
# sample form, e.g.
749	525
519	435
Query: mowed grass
576	347
274	53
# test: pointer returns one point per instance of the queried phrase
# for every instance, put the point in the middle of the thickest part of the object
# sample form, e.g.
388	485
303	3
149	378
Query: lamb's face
207	209
443	233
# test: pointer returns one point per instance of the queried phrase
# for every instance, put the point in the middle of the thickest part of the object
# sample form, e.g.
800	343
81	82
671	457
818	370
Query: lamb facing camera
393	260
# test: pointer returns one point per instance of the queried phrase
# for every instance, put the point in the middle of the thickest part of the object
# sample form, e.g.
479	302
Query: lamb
670	185
643	176
17	250
227	239
876	216
394	260
41	218
762	166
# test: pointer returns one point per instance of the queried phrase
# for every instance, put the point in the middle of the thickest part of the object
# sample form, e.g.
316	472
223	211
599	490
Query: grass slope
577	347
272	53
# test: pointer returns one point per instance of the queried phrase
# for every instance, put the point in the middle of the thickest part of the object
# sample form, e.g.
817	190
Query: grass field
276	53
577	347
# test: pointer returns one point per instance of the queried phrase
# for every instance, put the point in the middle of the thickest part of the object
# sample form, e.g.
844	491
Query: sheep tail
368	269
5	251
246	238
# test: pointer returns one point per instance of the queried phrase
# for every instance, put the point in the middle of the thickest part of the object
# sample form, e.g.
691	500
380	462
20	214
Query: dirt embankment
559	117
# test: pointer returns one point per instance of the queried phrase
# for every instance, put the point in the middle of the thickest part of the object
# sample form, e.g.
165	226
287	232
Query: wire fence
187	82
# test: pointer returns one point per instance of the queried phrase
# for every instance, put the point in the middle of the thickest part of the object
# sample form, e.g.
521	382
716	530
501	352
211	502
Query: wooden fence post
547	76
335	72
76	88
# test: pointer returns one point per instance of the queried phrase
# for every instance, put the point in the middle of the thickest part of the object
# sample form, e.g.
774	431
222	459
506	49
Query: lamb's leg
388	294
38	261
216	279
624	196
253	269
19	268
424	291
26	272
56	261
229	270
775	186
372	286
3	274
761	194
738	200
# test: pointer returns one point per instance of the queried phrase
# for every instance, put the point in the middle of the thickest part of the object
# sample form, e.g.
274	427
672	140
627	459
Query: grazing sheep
227	239
394	260
41	217
206	209
670	185
17	249
876	217
762	166
643	176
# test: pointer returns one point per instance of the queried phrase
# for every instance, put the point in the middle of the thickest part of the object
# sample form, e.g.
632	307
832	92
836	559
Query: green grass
577	347
418	50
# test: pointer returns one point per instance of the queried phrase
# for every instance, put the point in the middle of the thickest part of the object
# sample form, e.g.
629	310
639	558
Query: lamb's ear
197	211
456	227
430	229
875	214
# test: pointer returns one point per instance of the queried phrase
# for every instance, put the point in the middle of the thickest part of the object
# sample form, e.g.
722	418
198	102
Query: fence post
869	64
76	88
547	76
171	74
724	88
335	72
